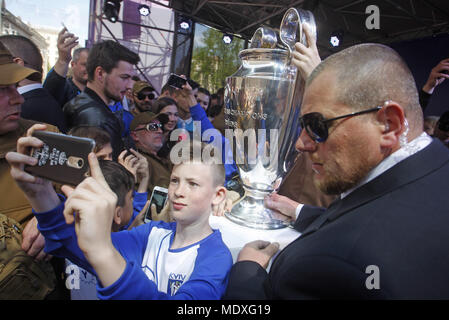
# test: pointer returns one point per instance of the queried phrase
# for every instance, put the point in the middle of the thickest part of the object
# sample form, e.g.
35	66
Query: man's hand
258	251
281	204
33	242
130	162
39	192
185	97
437	76
306	58
137	164
65	43
140	218
91	206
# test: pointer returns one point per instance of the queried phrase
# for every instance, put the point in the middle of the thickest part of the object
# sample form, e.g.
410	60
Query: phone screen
158	198
176	81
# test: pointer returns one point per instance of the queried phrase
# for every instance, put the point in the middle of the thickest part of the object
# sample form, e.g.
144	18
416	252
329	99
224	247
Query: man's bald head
367	75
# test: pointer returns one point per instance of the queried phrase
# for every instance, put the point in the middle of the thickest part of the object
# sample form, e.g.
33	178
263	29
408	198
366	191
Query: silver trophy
262	104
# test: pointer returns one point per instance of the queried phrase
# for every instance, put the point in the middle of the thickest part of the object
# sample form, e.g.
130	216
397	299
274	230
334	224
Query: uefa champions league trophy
262	104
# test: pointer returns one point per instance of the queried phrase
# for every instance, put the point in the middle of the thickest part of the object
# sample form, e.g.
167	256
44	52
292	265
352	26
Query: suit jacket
397	223
40	106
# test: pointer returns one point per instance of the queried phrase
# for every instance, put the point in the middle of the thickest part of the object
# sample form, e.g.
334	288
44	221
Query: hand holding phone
176	81
159	198
62	158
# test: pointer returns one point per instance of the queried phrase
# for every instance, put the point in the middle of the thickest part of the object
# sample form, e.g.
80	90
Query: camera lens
80	163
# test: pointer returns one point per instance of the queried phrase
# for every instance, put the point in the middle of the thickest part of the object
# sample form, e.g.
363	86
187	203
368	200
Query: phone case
158	197
62	159
176	81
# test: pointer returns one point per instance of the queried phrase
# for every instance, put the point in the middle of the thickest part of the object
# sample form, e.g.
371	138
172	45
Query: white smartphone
158	197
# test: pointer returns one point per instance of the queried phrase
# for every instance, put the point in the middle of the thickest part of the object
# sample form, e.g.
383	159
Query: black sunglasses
317	126
151	127
141	96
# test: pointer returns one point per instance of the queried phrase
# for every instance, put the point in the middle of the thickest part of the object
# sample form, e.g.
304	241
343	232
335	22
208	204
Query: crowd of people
367	187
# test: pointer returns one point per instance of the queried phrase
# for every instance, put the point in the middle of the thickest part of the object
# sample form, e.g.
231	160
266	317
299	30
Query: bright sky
50	13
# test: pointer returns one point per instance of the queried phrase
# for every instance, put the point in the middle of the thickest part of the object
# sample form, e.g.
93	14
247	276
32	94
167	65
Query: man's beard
337	181
143	107
109	94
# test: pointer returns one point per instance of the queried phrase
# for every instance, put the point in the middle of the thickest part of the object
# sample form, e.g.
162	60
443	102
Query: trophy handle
291	30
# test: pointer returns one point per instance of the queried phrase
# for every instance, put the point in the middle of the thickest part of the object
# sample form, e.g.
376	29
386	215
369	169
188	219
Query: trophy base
251	212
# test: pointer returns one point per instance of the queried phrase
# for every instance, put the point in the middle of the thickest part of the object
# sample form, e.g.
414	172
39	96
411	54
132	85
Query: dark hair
443	122
168	88
119	179
77	52
214	110
25	49
100	136
205	91
162	102
107	55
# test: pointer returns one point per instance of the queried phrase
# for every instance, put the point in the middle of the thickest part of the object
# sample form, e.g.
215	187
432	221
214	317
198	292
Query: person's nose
305	143
179	190
15	97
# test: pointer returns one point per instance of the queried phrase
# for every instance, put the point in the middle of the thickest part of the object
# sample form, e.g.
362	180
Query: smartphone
62	158
193	84
158	197
176	81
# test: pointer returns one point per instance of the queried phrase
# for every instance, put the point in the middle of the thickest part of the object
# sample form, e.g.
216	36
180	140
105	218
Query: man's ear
19	61
134	136
220	195
100	74
392	121
117	219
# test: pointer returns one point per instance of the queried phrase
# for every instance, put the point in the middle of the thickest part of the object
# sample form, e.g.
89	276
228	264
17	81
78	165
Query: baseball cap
147	117
11	72
140	85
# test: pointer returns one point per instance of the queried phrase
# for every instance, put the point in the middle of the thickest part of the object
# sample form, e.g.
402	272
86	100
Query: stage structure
153	36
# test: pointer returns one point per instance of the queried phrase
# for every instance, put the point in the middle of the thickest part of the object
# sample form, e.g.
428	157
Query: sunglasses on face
317	126
151	127
141	96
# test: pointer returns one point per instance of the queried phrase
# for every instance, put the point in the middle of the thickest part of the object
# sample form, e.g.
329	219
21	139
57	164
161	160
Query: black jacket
88	109
397	222
40	106
62	89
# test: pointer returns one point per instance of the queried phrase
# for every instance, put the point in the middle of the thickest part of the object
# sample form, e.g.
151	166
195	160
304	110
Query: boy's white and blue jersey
153	270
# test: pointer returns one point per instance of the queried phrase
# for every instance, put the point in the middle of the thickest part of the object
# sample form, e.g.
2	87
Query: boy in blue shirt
185	259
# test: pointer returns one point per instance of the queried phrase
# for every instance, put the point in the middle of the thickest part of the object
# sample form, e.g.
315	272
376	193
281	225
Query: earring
403	138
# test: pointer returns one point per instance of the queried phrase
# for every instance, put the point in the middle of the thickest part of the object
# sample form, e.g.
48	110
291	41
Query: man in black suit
386	236
39	105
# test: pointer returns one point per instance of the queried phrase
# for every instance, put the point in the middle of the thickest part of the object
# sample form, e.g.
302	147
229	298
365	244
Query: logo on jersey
175	281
